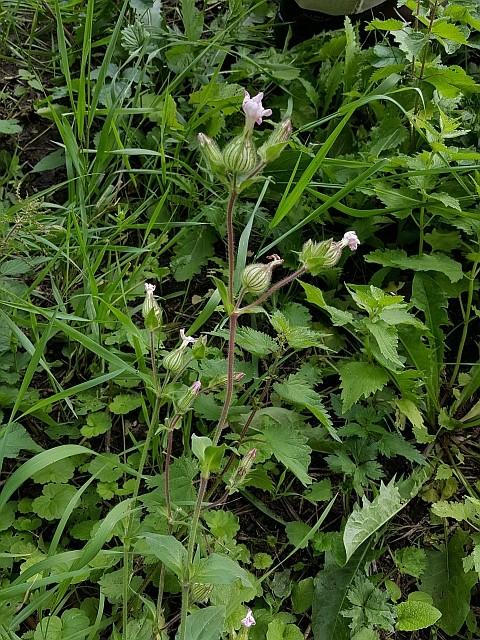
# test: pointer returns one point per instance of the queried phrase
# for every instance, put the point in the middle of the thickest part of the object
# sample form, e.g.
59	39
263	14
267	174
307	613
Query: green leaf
205	624
386	338
168	550
290	448
302	595
9	127
415	614
447	583
319	491
371	516
385	25
411	561
449	31
98	423
193	250
54	500
296	532
256	342
209	456
124	403
49	628
315	296
399	259
222	290
408	408
369	609
280	630
61	472
219	569
330	595
223	524
360	379
13	439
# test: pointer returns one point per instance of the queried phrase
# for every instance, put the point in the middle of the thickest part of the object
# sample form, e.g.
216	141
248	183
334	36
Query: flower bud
151	311
186	401
175	360
256	277
273	147
240	155
211	152
317	256
238	476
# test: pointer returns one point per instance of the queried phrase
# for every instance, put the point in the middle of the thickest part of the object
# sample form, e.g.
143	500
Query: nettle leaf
371	516
447	583
416	614
411	42
256	342
289	446
125	402
386	338
360	380
13	439
205	624
54	500
450	81
319	491
385	25
192	252
411	561
338	317
399	259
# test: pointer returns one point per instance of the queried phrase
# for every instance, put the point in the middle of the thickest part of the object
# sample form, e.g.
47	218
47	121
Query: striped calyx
240	155
256	278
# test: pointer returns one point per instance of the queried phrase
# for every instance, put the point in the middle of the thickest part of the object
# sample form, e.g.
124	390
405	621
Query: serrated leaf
290	448
409	409
315	296
385	25
124	403
360	379
386	338
434	262
415	614
449	31
411	561
193	252
370	608
256	342
371	516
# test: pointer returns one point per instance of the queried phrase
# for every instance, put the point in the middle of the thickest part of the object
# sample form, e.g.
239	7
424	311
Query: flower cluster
240	159
318	256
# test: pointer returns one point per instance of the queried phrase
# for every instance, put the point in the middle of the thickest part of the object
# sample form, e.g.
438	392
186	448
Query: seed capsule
211	152
240	155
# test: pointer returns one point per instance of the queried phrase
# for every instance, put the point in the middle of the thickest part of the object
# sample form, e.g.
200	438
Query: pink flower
249	620
196	387
350	240
253	109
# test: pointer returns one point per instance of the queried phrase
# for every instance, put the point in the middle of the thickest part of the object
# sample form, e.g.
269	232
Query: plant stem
466	322
231	242
278	285
190	551
230	378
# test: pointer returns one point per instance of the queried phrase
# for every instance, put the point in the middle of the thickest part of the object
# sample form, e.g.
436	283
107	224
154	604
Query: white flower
249	620
149	288
186	340
350	240
253	109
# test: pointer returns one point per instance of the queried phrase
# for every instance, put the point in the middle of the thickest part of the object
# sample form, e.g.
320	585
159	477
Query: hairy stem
231	243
